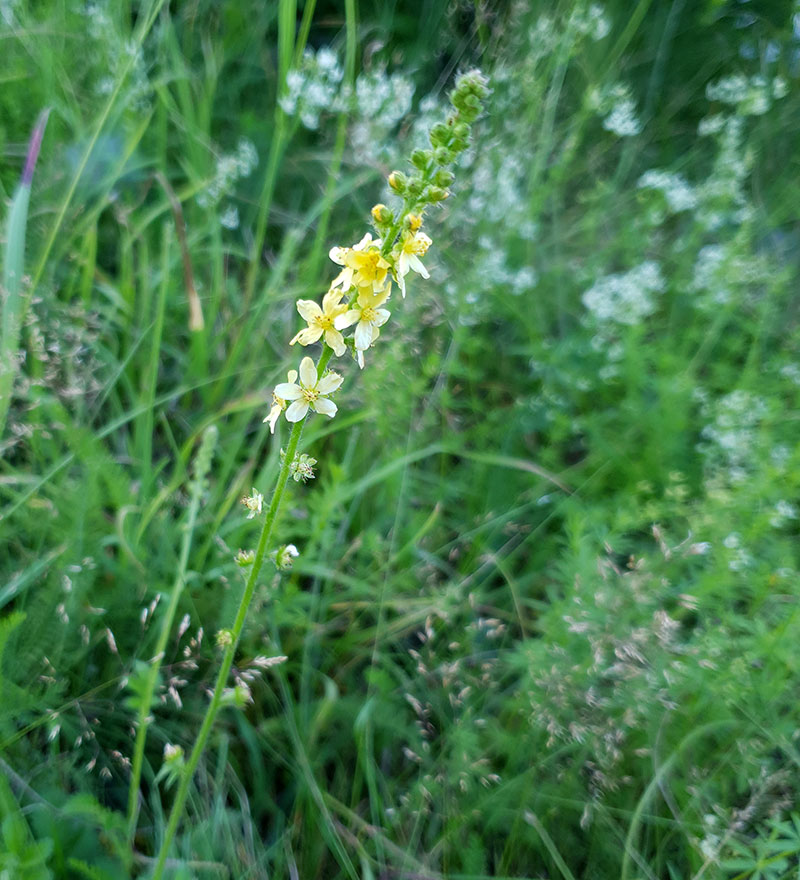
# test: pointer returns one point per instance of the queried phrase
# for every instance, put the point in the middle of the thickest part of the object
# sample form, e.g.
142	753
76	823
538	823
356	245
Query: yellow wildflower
321	320
311	392
368	317
407	257
363	265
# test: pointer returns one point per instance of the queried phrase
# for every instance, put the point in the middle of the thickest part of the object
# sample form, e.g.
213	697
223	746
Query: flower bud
173	754
284	556
436	194
413	221
440	135
224	638
443	178
244	558
420	159
443	156
415	187
382	215
473	82
398	182
461	131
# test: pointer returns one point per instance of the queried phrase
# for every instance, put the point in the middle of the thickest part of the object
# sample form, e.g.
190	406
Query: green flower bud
473	82
443	156
436	194
244	558
440	135
224	638
420	159
398	181
443	178
461	131
414	188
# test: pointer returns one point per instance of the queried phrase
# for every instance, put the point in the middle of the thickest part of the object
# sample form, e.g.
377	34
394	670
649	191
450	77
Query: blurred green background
544	621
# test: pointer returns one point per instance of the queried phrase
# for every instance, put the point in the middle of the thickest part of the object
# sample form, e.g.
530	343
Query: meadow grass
544	618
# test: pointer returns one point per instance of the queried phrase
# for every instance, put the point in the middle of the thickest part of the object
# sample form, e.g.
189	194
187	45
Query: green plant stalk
203	462
236	631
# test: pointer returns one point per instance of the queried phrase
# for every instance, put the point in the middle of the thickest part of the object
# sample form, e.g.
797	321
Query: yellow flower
311	392
407	257
278	404
363	265
321	320
368	317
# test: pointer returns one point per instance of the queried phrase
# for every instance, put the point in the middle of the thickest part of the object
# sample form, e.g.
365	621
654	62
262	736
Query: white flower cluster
730	438
616	104
381	101
313	87
751	96
230	168
592	22
678	194
626	297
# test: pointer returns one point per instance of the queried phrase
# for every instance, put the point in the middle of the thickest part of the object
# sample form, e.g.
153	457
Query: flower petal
272	418
363	336
325	407
383	317
343	279
416	265
307	336
342	322
308	373
288	391
331	300
334	339
337	254
328	384
297	411
308	309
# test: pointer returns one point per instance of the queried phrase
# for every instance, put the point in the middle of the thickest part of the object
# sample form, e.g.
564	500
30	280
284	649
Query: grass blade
13	267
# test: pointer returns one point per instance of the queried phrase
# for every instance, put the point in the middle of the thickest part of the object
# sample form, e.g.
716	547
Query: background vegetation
545	618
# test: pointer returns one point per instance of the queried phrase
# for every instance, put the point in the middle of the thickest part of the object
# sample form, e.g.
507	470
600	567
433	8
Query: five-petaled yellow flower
311	392
368	318
407	257
363	265
321	320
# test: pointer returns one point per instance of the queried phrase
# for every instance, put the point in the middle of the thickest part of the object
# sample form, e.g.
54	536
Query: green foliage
544	618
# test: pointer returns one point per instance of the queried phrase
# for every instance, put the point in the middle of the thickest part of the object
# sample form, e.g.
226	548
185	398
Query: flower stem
236	631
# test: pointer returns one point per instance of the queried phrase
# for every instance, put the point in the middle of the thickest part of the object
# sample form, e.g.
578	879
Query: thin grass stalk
236	631
202	464
147	23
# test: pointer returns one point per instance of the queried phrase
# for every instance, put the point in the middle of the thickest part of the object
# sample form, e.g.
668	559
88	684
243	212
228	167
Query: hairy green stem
236	632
